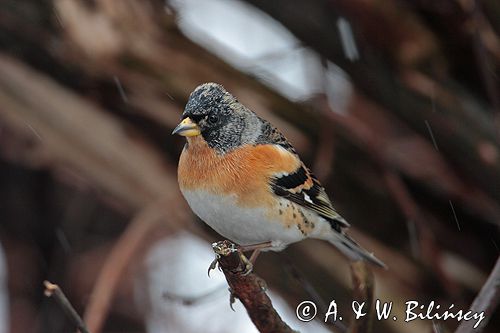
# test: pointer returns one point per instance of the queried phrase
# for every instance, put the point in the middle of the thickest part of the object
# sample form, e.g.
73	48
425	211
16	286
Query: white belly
242	226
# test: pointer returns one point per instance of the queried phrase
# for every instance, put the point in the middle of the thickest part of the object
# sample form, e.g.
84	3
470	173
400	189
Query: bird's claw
225	248
213	265
220	248
248	268
232	299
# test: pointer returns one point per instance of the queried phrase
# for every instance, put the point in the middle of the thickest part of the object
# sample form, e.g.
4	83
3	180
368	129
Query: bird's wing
302	188
299	186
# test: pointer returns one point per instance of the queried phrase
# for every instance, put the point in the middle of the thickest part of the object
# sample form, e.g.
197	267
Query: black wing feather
313	198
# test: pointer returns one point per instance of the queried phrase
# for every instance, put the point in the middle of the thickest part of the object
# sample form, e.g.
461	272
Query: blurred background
393	103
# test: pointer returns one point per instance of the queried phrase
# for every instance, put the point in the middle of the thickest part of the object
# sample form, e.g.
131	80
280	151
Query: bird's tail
353	250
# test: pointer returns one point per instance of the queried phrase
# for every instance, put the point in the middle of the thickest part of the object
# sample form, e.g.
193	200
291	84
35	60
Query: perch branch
249	289
53	290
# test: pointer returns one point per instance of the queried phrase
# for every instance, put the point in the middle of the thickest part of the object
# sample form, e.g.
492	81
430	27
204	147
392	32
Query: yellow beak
187	128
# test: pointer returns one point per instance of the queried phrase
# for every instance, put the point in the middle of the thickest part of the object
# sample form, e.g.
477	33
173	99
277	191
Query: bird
242	177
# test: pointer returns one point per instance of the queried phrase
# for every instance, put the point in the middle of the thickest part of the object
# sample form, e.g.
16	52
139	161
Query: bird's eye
213	119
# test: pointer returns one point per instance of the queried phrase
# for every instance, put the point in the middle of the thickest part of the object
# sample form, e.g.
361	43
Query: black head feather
224	122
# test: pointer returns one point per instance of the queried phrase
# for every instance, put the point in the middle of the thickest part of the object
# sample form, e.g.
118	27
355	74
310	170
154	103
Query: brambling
241	176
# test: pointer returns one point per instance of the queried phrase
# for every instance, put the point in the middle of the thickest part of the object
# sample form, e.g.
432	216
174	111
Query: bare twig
428	250
363	286
249	289
53	290
408	207
118	260
487	301
313	293
436	327
483	58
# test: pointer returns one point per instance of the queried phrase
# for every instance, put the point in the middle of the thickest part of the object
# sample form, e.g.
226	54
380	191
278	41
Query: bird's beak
187	128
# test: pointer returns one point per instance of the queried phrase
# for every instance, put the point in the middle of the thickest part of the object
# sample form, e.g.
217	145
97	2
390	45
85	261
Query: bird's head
217	116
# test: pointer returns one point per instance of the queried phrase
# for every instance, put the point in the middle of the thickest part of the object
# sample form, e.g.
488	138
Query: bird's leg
248	266
258	246
249	262
254	256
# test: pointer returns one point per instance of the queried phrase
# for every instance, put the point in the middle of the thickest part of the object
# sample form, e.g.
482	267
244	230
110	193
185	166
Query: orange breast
244	172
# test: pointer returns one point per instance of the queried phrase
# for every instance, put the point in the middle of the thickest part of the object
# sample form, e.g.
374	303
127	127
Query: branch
311	291
249	289
487	300
54	290
363	287
116	263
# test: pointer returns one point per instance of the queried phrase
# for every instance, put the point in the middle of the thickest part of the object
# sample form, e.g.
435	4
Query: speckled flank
291	215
